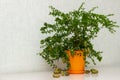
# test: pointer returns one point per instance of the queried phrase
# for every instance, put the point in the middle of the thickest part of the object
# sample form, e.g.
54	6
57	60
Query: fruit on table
66	73
62	73
87	71
94	71
56	75
57	71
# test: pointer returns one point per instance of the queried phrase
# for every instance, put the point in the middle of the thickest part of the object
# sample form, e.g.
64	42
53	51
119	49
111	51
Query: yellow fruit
66	73
87	71
57	71
62	73
56	75
94	71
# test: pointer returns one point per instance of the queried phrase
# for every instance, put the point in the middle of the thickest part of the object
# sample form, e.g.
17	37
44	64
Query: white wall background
20	21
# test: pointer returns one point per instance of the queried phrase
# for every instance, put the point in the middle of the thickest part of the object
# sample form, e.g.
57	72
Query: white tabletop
105	73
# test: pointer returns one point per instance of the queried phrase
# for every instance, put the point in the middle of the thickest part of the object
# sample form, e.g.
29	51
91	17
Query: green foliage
73	31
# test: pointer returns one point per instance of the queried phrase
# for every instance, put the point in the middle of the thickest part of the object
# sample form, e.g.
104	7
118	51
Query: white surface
20	21
107	73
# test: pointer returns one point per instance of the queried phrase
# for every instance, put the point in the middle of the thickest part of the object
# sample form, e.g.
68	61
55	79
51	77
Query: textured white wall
20	21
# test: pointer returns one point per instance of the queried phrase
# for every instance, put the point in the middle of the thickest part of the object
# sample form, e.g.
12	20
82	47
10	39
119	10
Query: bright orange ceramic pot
77	62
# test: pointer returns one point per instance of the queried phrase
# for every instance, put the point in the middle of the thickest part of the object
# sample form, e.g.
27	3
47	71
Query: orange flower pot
77	62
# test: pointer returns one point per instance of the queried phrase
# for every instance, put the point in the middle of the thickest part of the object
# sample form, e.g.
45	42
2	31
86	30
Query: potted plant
71	35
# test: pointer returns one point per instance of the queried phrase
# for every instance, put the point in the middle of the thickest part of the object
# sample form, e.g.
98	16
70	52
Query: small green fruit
87	71
62	73
94	71
66	73
57	71
56	75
